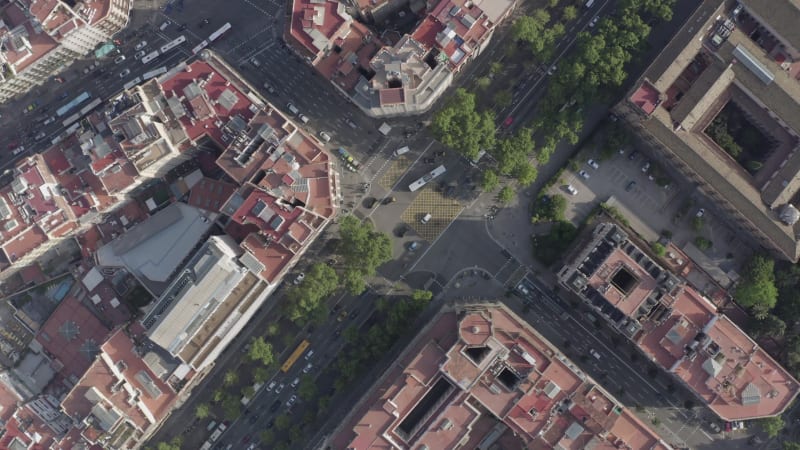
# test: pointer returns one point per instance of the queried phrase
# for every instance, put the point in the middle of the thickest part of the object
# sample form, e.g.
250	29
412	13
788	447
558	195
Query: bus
154	73
132	83
92	105
172	44
199	47
218	34
60	112
295	355
150	56
427	178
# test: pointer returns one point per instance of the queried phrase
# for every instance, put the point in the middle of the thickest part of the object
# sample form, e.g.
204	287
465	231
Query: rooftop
679	329
474	364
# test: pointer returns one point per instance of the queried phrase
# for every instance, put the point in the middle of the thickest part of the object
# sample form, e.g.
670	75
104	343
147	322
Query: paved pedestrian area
443	210
395	172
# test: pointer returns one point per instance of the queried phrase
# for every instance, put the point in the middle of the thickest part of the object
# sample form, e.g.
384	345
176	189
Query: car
309	355
271	385
571	189
164	25
714	427
41	135
139	54
429	160
594	353
270	424
308	368
140	45
342	316
594	21
413	246
270	89
292	401
634	154
275	406
49	121
246	439
255	62
523	289
325	136
552	69
119	59
646	167
279	388
388	200
507	123
593	164
439	154
299	278
369	202
629	187
728	427
295	382
125	73
700	212
583	174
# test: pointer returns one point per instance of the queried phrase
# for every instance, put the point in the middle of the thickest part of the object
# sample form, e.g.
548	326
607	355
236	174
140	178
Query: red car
246	439
507	123
728	427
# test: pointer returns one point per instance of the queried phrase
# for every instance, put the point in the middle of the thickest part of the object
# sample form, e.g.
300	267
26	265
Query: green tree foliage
772	425
260	375
549	208
305	298
769	326
789	445
267	437
231	407
307	389
261	351
757	286
506	195
658	249
535	31
483	83
248	391
460	126
202	411
283	422
363	249
702	243
526	174
502	98
489	180
570	13
512	153
174	444
231	377
550	247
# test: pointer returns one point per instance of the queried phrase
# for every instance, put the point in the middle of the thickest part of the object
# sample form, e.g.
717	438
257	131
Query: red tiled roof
646	98
210	194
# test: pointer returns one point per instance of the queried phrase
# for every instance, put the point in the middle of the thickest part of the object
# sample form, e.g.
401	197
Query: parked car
388	200
308	368
413	246
295	382
583	174
594	21
271	385
275	406
292	401
140	45
552	69
119	59
279	388
125	73
369	202
270	89
342	316
139	54
593	164
594	353
309	355
571	189
634	154
646	167
630	186
325	136
700	212
300	277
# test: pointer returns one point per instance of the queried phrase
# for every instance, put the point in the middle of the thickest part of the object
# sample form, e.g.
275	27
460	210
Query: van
401	151
49	121
303	118
18	150
427	218
292	109
589	3
164	25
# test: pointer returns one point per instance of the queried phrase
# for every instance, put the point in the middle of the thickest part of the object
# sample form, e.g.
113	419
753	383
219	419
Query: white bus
150	56
154	73
199	47
427	178
217	34
172	44
132	83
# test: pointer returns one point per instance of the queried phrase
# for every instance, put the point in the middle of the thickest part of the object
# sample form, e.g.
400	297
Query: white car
300	277
571	189
119	59
325	136
308	368
139	54
593	164
552	69
594	21
279	388
700	212
271	386
125	73
594	353
295	382
140	45
583	174
292	401
309	355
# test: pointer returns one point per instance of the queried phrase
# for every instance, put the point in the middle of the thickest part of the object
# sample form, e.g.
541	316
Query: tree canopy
363	249
772	425
461	127
261	350
304	299
757	288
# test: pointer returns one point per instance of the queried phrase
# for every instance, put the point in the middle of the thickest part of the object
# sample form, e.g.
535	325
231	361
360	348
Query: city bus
217	34
154	73
61	112
295	355
150	56
172	44
427	178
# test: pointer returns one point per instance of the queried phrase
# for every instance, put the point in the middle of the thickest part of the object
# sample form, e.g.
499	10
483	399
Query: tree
283	422
495	68
231	377
272	329
363	249
788	445
267	437
570	13
248	391
320	282
231	407
658	249
420	299
460	126
323	403
757	285
483	83
506	195
202	411
218	395
260	350
549	208
260	375
489	180
702	243
770	325
174	444
526	174
772	425
502	98
307	388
